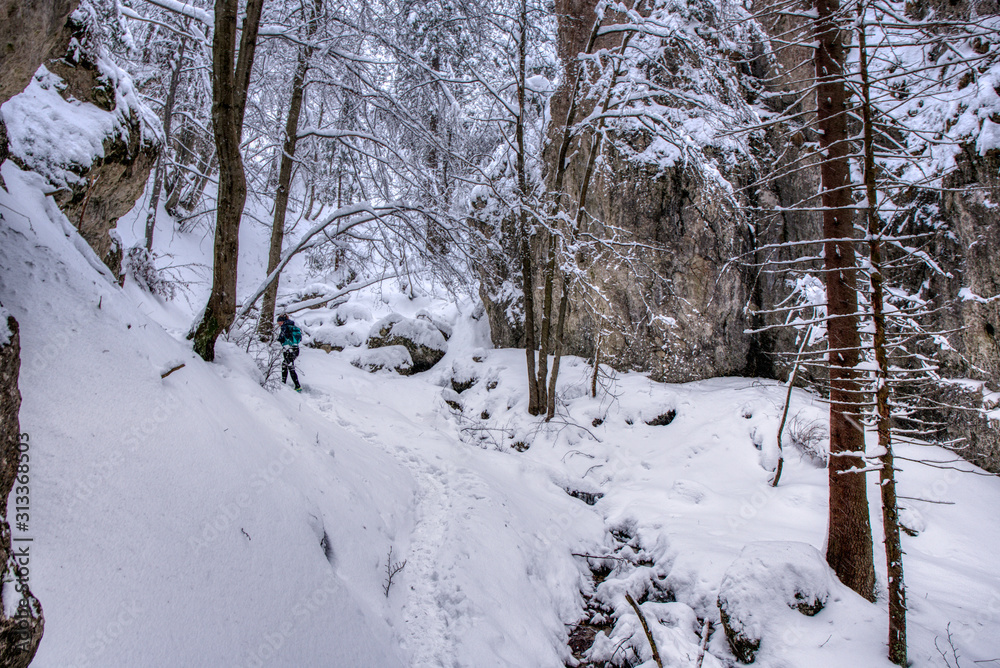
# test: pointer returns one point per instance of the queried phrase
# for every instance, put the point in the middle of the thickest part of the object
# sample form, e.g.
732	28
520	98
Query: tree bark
229	93
524	236
545	340
581	202
265	328
887	474
206	164
557	349
168	116
849	535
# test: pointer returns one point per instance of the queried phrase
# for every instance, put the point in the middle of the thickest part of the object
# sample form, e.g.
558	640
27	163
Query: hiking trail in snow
436	610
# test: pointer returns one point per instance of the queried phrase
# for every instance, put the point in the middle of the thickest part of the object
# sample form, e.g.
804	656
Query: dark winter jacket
290	334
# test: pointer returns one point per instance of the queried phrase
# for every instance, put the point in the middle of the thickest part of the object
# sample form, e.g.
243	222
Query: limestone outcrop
81	124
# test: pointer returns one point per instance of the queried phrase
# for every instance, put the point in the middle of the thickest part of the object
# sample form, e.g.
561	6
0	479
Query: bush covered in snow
140	265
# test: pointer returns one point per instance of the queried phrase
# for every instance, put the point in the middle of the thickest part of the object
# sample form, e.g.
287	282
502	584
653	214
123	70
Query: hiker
289	337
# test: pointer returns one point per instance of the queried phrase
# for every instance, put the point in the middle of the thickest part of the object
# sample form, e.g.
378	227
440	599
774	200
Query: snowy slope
687	497
184	521
179	521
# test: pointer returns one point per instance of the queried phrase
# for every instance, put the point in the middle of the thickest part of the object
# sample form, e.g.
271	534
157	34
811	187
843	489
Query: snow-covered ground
198	519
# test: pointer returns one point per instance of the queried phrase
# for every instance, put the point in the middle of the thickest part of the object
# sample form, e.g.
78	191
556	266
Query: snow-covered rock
462	375
388	358
83	126
442	326
332	337
351	311
424	341
766	582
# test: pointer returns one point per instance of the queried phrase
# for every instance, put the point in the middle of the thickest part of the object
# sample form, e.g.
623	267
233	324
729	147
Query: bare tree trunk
523	235
887	475
265	328
205	166
578	222
849	534
545	340
229	93
597	367
557	349
537	378
168	117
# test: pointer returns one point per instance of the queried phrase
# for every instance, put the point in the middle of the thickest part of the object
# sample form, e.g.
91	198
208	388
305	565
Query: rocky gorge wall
676	305
659	293
78	122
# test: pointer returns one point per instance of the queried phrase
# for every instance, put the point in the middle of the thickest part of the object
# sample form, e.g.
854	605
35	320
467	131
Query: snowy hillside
197	519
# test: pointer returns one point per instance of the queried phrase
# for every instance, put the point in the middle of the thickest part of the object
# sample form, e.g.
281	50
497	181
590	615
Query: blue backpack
291	334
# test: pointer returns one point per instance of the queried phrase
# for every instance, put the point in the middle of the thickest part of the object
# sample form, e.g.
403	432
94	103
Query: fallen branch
645	627
595	556
706	630
917	498
170	371
788	401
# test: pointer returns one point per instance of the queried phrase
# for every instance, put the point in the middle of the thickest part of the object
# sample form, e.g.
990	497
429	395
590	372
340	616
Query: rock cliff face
672	305
98	160
972	238
21	632
658	291
662	294
973	217
31	32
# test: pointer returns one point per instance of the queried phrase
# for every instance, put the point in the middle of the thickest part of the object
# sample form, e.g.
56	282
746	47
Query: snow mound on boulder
351	311
62	139
442	326
425	343
331	337
421	332
766	583
388	358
